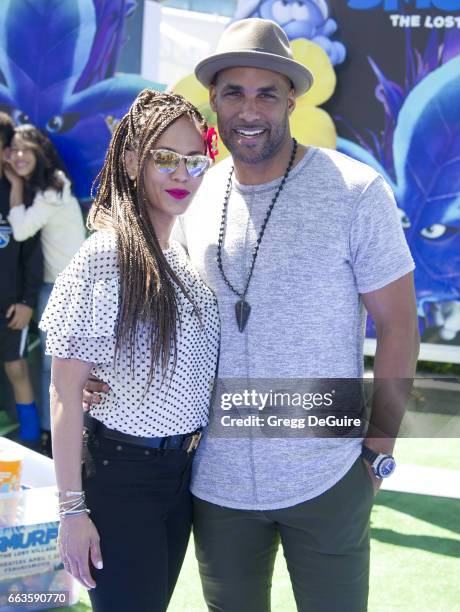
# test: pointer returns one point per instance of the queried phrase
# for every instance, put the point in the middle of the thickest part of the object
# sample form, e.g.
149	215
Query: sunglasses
167	162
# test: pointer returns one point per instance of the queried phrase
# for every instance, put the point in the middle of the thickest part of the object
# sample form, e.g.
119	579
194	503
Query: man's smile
250	133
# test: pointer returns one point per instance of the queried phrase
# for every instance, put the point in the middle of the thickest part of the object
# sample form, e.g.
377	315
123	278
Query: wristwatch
383	465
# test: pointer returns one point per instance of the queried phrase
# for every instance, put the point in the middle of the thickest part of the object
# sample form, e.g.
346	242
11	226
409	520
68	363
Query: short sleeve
378	249
81	315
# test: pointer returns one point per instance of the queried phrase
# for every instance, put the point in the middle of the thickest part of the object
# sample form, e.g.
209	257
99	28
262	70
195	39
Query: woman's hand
17	185
11	175
78	542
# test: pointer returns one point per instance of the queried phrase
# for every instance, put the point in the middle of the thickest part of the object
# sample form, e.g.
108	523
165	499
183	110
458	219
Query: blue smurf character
425	177
58	71
299	19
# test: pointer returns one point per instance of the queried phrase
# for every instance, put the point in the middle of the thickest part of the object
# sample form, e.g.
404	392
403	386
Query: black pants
325	542
140	503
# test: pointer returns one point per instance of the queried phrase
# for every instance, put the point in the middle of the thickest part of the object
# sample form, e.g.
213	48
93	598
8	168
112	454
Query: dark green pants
325	542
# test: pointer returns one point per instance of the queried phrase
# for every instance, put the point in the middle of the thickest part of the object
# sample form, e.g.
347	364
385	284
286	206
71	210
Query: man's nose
249	111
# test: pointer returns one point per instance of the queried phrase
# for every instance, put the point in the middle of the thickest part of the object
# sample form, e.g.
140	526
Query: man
296	242
22	274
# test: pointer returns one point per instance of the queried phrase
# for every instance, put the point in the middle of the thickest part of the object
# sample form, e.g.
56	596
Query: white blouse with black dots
80	321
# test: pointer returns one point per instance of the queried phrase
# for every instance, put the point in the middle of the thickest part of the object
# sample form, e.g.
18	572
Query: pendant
242	311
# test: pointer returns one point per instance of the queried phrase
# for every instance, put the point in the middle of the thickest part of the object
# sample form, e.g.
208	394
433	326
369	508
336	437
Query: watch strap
369	454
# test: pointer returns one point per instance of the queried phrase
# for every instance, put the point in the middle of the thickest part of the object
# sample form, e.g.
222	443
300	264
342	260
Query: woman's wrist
70	493
16	194
72	503
66	515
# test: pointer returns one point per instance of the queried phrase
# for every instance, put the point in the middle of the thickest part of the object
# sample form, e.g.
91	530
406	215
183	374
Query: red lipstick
178	194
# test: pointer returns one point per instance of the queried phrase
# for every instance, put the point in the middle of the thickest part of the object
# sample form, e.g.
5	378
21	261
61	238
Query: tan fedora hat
255	43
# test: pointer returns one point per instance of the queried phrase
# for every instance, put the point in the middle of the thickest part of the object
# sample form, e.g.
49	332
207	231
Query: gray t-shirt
334	233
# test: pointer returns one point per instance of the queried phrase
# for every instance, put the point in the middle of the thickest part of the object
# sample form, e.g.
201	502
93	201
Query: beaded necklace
242	307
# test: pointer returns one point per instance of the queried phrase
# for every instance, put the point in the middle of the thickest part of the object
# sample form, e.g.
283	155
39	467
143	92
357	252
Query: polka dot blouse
80	321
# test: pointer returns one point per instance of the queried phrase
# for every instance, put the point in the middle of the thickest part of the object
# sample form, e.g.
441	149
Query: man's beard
271	146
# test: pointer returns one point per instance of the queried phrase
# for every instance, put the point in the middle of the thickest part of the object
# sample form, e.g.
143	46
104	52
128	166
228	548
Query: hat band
257	50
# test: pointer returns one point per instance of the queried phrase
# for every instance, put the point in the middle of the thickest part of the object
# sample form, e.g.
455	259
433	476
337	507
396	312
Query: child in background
38	180
20	281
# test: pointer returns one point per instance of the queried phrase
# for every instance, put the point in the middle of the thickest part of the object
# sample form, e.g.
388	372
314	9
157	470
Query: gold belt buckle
194	442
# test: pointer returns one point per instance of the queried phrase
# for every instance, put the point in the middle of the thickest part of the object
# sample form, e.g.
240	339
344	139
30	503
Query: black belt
188	442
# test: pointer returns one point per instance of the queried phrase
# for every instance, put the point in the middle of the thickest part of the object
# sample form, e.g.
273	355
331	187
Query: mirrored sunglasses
168	161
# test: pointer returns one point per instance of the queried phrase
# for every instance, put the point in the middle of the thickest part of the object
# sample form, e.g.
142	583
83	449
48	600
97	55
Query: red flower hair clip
211	140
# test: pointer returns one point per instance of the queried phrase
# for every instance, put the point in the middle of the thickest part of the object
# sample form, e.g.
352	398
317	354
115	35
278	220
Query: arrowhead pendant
242	311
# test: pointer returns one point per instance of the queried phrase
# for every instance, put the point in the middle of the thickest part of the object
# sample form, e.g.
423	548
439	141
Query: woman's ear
131	164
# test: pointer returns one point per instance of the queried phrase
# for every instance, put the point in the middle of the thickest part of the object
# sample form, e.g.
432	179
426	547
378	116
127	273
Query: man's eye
232	93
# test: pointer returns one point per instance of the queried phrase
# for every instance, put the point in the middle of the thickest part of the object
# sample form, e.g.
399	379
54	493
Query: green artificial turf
437	452
6	424
415	552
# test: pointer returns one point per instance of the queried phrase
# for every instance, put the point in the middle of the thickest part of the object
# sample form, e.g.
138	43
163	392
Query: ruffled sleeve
81	315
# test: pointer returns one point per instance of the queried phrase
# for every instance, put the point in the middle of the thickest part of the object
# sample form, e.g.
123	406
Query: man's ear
291	101
131	162
212	98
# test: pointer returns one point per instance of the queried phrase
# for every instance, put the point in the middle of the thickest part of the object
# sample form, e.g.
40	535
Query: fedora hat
255	43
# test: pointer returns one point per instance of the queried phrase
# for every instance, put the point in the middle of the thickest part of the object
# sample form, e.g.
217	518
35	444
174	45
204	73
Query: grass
415	548
7	426
415	551
439	453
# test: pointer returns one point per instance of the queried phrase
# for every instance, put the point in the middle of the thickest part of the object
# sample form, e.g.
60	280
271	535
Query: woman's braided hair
147	281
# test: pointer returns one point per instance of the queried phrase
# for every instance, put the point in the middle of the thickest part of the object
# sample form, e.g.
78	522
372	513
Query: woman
132	311
41	200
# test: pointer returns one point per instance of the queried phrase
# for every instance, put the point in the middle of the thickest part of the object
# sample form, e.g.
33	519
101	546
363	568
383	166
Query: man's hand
91	392
376	482
19	315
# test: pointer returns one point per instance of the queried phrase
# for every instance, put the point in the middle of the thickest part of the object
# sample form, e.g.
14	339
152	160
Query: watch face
386	467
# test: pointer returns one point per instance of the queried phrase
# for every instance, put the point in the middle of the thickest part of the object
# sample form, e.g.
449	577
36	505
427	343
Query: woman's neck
163	225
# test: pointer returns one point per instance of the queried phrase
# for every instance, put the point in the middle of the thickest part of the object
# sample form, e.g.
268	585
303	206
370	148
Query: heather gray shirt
334	233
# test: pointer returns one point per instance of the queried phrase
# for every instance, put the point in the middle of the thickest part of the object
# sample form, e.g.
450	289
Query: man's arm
31	276
394	311
31	262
